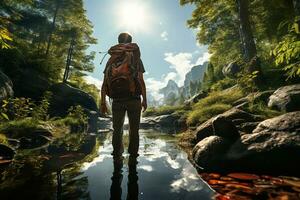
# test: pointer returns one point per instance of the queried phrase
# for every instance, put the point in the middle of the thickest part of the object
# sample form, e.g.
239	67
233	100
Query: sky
168	47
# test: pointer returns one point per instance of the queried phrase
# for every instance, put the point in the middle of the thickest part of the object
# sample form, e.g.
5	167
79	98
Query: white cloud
94	81
202	59
164	35
181	63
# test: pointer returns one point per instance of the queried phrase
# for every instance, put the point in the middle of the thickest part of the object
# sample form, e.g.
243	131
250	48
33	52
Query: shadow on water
162	171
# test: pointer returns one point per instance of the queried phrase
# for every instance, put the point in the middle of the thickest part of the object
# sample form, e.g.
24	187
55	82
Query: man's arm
143	87
103	107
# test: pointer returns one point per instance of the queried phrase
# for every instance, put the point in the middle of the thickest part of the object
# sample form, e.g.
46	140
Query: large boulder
171	123
231	69
225	128
31	84
273	147
286	98
233	115
64	96
209	152
6	87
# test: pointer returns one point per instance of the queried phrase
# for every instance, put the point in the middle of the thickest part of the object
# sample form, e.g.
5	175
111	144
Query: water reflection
132	181
162	172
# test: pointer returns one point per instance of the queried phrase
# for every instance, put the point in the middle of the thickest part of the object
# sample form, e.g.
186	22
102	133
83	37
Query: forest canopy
38	35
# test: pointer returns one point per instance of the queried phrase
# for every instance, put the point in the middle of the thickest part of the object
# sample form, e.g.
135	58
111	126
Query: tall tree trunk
249	47
296	7
52	28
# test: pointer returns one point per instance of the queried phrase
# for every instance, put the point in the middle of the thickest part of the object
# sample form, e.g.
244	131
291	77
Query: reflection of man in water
132	185
125	64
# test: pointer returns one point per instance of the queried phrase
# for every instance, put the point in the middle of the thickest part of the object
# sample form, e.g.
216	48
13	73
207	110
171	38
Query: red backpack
122	70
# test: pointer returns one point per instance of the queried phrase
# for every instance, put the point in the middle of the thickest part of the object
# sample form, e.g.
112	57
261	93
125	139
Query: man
124	83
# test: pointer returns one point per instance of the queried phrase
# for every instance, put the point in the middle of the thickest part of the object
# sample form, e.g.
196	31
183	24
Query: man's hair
124	38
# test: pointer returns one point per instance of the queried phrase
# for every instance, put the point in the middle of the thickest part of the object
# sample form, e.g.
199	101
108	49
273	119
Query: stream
163	172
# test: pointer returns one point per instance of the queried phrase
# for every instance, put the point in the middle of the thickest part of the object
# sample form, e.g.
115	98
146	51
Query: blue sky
169	49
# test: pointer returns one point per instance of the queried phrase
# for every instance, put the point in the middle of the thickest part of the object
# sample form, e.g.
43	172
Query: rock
33	142
13	142
6	87
248	127
231	70
195	98
209	152
289	122
65	96
6	153
225	128
104	123
286	98
31	84
206	129
170	123
273	147
92	121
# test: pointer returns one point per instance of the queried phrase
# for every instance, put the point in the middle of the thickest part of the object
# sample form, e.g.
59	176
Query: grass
19	128
164	110
215	103
262	109
3	139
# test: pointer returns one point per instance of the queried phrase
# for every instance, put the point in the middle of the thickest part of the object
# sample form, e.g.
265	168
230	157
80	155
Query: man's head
124	38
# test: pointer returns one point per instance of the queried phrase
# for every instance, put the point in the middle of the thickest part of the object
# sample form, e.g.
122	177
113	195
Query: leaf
243	176
5	116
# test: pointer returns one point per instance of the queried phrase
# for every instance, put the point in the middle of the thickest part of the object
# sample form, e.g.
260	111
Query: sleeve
140	66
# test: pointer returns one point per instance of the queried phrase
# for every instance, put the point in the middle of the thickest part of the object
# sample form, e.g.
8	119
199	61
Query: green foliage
5	36
40	111
71	142
287	53
16	108
3	139
19	128
215	103
76	115
163	110
30	28
247	81
223	84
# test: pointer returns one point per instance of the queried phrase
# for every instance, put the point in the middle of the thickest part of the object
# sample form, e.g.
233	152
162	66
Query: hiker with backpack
124	84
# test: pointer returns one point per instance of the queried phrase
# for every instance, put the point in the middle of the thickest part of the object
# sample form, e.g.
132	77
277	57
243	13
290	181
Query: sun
133	16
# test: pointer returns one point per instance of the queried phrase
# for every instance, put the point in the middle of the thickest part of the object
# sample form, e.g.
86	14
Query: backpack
122	70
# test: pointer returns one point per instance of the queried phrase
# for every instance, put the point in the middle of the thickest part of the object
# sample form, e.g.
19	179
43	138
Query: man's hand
103	108
144	105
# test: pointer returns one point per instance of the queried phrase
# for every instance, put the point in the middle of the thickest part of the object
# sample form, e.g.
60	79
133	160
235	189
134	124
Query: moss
215	103
19	128
164	110
202	114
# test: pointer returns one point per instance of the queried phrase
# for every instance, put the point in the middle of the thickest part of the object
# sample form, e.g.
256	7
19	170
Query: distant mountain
172	93
194	76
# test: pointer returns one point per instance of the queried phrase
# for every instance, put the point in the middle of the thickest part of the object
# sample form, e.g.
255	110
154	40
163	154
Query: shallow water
163	172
